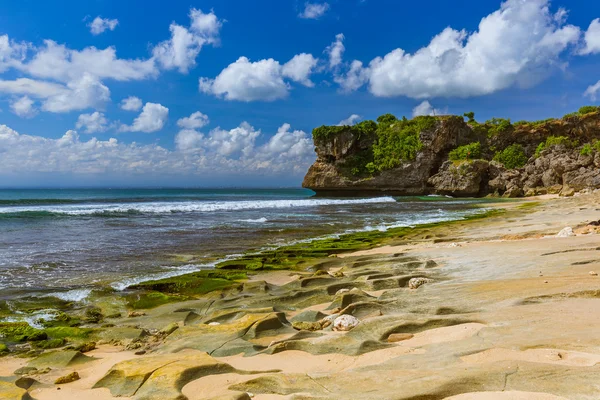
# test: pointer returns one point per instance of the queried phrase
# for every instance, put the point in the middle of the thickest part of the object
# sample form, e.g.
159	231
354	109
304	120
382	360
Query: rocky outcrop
326	175
467	178
556	169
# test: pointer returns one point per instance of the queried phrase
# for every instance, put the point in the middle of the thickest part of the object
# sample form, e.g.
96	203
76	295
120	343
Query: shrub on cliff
554	141
367	127
467	152
512	157
588	109
497	126
399	141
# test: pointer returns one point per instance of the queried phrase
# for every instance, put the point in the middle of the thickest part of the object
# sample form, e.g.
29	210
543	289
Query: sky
207	93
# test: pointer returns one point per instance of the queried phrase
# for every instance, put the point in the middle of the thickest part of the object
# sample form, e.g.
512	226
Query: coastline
483	322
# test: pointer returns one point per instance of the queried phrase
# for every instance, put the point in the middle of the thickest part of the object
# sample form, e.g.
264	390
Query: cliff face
531	158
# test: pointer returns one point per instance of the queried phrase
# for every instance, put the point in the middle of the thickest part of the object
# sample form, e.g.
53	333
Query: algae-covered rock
50	344
167	330
59	359
3	349
25	371
160	377
85	347
307	326
94	315
166	382
10	391
72	377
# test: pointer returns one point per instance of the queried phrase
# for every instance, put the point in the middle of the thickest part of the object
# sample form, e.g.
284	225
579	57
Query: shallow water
71	240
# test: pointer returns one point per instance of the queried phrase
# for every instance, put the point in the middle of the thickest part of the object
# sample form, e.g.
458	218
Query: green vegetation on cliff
512	157
555	141
359	130
467	152
394	141
398	141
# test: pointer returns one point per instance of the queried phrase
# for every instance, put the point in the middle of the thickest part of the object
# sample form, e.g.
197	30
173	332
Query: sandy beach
506	310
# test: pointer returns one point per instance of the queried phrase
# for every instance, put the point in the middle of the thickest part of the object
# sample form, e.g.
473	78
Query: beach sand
509	312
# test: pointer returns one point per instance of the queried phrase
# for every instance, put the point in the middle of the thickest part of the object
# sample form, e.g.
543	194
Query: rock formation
450	156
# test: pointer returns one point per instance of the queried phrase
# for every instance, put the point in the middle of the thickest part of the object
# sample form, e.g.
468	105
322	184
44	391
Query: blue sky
226	93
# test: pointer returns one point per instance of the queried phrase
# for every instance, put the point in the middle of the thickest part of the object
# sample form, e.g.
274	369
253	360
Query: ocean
70	241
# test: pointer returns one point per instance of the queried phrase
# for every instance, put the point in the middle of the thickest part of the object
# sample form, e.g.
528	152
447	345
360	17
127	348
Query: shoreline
506	296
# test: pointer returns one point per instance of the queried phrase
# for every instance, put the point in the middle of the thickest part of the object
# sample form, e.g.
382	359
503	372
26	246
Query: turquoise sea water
70	240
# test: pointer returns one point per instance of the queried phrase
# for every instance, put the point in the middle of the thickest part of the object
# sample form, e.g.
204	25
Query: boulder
466	178
72	377
345	323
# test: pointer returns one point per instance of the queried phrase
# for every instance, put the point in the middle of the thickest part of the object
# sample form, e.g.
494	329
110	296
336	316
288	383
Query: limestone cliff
448	155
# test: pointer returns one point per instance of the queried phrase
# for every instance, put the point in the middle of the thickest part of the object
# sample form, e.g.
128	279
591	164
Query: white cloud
94	122
151	119
287	145
99	25
354	78
260	80
299	68
195	121
314	10
592	91
517	45
189	140
232	152
31	87
131	103
24	107
592	38
425	108
86	92
181	50
56	61
336	50
351	120
11	53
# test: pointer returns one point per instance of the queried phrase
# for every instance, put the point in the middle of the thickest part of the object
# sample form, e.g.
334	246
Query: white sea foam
33	319
255	221
73	295
192	206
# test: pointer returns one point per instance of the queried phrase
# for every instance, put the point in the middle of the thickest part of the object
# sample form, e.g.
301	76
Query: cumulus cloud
314	10
131	103
592	38
56	61
261	80
99	25
195	121
151	119
299	68
335	51
425	108
517	45
92	123
288	152
11	53
592	91
86	92
23	107
180	51
351	120
66	79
